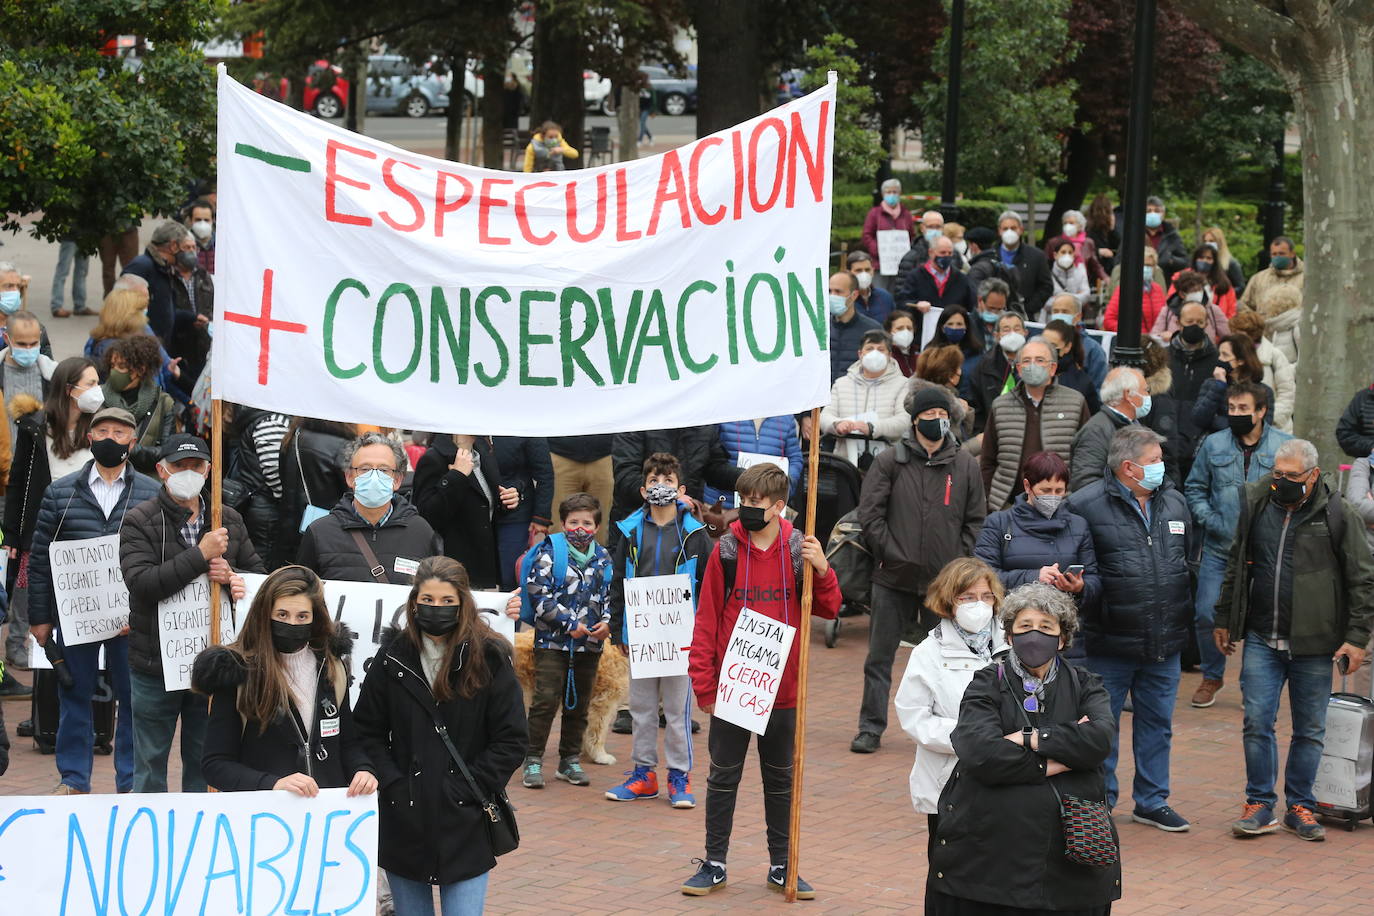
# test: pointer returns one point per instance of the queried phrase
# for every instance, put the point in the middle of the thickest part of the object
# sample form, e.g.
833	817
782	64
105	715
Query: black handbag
502	830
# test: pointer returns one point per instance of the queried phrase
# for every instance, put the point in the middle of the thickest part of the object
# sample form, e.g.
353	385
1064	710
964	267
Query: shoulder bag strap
376	568
300	468
442	731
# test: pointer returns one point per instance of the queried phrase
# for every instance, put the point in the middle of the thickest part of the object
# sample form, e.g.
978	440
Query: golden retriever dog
610	690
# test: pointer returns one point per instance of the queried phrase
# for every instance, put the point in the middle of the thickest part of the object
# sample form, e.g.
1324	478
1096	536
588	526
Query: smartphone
1076	569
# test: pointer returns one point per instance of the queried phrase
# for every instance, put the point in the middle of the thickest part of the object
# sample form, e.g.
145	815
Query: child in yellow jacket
548	149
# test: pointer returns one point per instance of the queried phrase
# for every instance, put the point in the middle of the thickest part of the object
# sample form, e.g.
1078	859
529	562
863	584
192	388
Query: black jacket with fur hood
430	826
241	756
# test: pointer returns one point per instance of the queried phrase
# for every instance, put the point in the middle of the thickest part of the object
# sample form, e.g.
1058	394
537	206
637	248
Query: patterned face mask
660	494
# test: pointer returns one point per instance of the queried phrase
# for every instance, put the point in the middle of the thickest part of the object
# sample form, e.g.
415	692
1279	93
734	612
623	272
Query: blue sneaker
708	877
777	881
1303	822
643	783
1164	818
680	790
1255	820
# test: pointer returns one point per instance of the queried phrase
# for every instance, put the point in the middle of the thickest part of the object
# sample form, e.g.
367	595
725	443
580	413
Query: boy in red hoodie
761	553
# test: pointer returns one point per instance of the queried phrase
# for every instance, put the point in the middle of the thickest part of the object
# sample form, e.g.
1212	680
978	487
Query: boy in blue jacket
572	619
660	538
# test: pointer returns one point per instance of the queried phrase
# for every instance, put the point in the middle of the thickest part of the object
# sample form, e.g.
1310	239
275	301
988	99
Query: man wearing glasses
1035	416
1299	591
373	534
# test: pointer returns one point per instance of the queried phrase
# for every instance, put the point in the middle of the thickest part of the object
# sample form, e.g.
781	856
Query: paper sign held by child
659	616
752	670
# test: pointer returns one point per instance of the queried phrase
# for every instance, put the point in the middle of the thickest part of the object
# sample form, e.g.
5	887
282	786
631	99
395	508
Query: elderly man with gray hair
373	534
1140	525
887	215
1124	401
1299	591
157	267
1028	264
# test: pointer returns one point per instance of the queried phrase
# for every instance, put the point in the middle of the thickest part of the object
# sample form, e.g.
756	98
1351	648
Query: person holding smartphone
1040	540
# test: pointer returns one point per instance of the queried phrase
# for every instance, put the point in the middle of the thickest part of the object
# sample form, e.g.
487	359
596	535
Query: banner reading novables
364	283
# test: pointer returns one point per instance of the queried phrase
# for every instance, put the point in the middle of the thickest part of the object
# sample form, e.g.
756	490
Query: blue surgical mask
932	235
1154	475
10	301
1065	317
1149	274
1202	267
1278	262
891	199
1144	409
954	335
1153	219
373	489
989	317
24	356
838	305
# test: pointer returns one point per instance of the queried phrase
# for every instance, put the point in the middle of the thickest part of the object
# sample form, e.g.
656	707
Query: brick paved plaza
863	846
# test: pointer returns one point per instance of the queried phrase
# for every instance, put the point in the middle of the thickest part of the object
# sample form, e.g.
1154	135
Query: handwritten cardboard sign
893	244
751	671
88	585
220	854
659	616
183	629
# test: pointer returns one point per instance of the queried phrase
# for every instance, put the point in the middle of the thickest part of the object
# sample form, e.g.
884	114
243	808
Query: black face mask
1288	492
753	518
436	619
933	429
1193	334
1034	647
109	453
288	638
1241	423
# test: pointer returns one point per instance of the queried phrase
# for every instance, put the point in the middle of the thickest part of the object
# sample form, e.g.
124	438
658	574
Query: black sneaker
696	726
623	724
865	743
777	881
1164	818
708	877
12	689
571	772
24	729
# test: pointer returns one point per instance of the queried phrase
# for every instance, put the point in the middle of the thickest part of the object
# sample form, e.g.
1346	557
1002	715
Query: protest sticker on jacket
368	608
88	585
751	672
681	289
196	854
183	629
659	617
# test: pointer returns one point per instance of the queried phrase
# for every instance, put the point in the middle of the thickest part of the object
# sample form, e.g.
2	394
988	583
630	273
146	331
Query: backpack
852	561
558	543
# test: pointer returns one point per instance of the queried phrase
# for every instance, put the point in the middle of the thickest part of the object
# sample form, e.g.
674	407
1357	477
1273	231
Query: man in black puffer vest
166	544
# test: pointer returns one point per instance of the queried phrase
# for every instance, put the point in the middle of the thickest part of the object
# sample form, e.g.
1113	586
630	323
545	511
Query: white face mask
1010	237
874	361
903	338
1070	229
972	616
865	278
1193	297
91	400
202	228
185	484
1010	343
961	246
1065	261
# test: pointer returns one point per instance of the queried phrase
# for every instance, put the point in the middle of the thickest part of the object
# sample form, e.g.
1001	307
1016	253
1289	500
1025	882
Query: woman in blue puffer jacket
775	437
1038	539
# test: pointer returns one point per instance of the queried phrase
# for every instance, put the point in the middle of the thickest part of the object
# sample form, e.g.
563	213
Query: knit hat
981	236
922	399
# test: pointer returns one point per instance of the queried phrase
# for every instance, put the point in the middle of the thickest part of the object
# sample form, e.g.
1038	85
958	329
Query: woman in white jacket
867	404
1279	372
966	594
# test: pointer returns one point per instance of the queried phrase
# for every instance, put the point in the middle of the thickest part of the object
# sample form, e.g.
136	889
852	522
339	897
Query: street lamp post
948	207
1127	351
1273	207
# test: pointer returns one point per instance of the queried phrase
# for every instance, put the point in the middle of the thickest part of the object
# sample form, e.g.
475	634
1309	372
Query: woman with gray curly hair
1031	730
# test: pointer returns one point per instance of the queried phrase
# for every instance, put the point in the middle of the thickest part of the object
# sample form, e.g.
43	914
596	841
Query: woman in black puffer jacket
1038	539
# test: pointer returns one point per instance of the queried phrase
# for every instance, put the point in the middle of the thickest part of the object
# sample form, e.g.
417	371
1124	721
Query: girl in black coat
279	711
458	491
445	664
998	811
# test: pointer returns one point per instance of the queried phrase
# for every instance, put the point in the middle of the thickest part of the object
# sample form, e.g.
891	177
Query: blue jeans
1262	673
416	898
156	711
1210	574
69	260
75	728
1153	686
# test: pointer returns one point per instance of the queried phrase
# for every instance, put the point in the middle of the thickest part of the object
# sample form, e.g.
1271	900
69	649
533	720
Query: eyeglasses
1036	360
365	469
1296	478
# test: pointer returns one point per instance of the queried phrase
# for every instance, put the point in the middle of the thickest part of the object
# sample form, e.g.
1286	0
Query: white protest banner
183	629
88	585
931	319
893	244
637	295
203	854
751	671
659	617
367	608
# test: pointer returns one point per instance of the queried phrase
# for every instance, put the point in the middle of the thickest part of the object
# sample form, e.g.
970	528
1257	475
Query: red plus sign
265	325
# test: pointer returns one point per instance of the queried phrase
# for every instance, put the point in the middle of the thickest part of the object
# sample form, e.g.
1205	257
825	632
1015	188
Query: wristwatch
1026	734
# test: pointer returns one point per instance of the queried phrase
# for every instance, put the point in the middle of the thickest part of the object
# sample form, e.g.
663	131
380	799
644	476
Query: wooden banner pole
216	501
803	642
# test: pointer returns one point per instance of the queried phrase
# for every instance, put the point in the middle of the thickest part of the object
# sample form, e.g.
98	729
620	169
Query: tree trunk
1326	57
493	106
557	87
627	121
729	62
457	108
1084	161
359	77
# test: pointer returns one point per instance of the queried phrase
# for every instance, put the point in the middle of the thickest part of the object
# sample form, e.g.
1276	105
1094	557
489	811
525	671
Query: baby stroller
837	493
852	561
